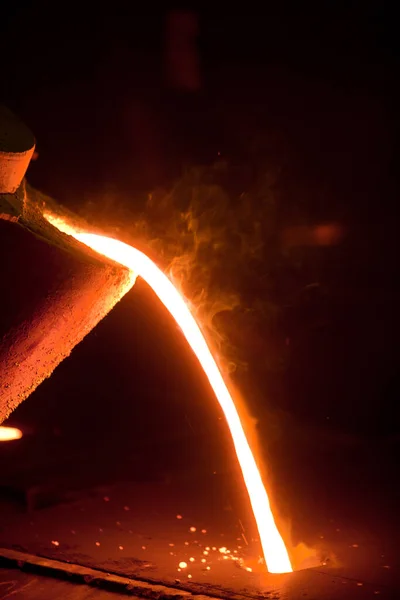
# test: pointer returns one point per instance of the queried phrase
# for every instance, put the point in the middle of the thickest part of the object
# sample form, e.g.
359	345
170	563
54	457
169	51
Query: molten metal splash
275	553
9	433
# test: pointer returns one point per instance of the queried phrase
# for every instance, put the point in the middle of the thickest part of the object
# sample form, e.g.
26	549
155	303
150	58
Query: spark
97	544
179	517
55	543
275	552
182	565
120	547
191	559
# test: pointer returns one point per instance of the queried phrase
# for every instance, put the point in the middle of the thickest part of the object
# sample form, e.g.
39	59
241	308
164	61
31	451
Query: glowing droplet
189	576
208	568
171	545
143	547
203	560
55	543
204	531
97	544
179	516
120	547
8	434
182	564
207	548
249	569
205	552
191	559
186	543
192	529
222	550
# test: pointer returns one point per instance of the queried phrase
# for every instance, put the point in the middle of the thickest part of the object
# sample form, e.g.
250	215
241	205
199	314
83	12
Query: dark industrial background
121	102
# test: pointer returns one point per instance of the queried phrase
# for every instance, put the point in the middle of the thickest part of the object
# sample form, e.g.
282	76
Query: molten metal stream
275	553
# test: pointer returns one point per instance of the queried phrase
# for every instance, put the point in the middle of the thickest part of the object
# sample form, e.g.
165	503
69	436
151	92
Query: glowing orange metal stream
275	553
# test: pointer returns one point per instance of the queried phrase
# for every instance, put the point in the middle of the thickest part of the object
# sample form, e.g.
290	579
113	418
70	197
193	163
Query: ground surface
133	529
18	585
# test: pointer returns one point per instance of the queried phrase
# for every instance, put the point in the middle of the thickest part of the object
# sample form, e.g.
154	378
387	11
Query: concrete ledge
86	576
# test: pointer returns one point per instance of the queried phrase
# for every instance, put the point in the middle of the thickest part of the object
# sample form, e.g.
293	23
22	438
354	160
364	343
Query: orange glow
9	433
275	553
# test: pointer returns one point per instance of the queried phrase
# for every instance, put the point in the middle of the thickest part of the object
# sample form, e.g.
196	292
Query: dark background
308	93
